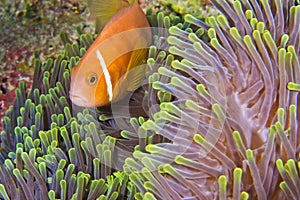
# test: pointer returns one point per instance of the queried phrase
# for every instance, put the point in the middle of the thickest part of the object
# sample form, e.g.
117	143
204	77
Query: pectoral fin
136	69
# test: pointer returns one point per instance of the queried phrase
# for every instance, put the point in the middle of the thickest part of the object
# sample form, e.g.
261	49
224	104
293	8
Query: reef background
31	29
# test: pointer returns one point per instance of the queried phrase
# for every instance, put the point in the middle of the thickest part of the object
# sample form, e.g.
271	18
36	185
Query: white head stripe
106	75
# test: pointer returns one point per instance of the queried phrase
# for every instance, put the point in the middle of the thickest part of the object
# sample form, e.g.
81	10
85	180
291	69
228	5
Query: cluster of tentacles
217	118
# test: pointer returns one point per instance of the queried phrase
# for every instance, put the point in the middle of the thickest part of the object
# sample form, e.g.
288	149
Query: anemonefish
114	64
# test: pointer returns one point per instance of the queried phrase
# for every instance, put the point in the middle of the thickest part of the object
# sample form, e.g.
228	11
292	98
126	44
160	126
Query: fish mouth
73	96
79	100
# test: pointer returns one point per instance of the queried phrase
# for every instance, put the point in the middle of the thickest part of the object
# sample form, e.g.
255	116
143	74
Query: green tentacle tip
293	110
164	71
249	14
138	196
64	37
293	86
200	32
72	155
284	187
201	89
167	22
212	33
173	40
181	160
82	52
280	114
114	195
292	50
291	167
260	26
249	155
149	163
152	148
211	21
178	65
160	16
153	77
174	30
179	83
63	191
237	173
3	192
134	122
164	96
217	109
51	195
169	169
193	37
222	182
222	20
175	50
189	18
284	40
244	196
192	105
237	5
17	173
8	164
215	43
152	52
247	39
198	47
238	140
199	139
149	196
279	127
157	85
169	107
161	56
279	165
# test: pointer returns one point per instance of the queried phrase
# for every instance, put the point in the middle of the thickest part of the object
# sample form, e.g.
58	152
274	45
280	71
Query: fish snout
79	100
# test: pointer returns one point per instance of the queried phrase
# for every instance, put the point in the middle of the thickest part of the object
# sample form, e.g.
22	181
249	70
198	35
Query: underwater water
217	116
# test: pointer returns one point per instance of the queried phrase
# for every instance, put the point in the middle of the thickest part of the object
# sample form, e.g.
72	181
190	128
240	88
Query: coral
217	118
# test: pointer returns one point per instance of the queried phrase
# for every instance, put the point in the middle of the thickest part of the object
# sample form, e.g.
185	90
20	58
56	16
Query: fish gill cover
217	119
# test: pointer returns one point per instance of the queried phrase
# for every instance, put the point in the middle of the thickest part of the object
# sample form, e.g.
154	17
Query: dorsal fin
103	10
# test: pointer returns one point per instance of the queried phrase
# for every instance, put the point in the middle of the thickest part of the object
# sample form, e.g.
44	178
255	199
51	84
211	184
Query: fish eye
92	78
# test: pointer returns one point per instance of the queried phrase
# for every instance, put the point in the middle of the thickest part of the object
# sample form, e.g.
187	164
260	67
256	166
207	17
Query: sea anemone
48	153
226	107
217	118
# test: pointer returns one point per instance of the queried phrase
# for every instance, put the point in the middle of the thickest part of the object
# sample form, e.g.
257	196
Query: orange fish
113	65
